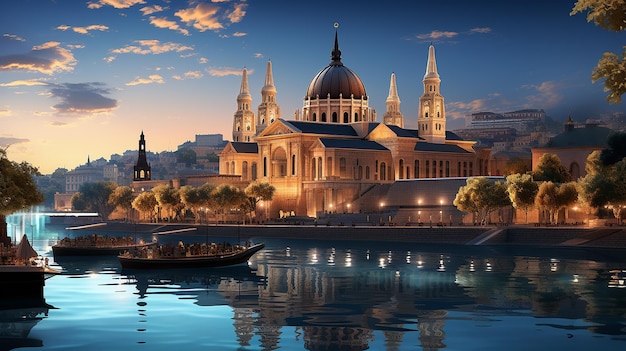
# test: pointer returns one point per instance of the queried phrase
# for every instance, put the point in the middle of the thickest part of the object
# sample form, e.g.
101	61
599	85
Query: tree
517	165
192	199
18	190
616	151
553	198
257	191
609	15
186	156
168	199
522	191
605	186
227	197
481	196
122	197
96	197
146	203
550	169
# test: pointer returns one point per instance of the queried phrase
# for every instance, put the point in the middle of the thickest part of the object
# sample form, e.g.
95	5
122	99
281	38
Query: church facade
334	156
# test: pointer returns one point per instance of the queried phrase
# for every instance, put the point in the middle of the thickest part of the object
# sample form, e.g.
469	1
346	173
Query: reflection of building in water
336	338
341	307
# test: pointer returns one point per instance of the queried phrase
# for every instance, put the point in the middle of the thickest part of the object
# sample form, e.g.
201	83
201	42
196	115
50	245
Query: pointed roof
24	249
244	91
269	87
393	90
431	66
245	147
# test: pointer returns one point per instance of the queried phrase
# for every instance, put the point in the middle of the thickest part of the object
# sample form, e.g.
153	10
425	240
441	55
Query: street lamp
441	211
349	208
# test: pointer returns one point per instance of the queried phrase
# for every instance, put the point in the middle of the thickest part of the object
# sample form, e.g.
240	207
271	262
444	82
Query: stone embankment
566	236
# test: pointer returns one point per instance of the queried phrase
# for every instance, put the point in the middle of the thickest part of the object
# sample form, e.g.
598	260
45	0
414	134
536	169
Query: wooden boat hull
189	262
95	250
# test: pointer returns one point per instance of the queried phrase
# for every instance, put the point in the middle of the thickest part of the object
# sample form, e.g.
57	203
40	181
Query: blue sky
84	78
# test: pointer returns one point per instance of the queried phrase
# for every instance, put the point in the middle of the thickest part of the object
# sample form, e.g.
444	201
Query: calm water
310	295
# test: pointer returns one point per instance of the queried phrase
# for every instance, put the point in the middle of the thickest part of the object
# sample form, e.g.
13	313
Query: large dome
336	79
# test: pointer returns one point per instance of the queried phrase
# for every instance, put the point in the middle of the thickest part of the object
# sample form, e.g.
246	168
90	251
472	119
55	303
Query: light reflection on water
311	295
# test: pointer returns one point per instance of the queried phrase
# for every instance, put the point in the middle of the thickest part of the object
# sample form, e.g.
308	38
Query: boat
150	259
96	245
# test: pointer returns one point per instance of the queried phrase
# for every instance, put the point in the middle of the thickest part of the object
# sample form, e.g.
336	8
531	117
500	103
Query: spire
244	92
431	66
269	80
393	90
336	54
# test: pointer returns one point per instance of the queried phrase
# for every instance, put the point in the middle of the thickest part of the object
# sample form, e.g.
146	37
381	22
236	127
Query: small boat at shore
96	245
150	259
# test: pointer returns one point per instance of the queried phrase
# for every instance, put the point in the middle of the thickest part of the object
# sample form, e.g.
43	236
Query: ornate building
335	152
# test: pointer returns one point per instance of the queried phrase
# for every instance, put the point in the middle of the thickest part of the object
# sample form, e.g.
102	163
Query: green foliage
550	169
522	191
168	199
610	15
517	165
481	196
616	150
96	197
18	190
186	156
605	186
122	197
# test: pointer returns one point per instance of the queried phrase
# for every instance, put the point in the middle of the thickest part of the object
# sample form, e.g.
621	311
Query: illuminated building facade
334	151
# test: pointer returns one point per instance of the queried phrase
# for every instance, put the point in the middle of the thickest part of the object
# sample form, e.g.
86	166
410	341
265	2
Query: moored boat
150	259
96	245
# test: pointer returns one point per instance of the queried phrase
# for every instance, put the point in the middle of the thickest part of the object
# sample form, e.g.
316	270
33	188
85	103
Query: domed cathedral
334	156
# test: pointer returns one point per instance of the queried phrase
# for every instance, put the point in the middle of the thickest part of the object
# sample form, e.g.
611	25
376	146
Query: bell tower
393	116
431	119
244	123
268	108
142	168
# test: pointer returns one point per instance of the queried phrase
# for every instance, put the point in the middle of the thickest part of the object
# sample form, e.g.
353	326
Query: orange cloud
151	47
47	58
153	78
118	4
165	23
202	17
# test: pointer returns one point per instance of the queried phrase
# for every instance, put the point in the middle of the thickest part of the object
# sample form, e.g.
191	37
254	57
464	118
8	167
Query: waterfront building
334	151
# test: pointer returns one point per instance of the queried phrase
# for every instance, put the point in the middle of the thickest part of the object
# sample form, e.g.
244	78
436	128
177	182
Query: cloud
239	34
82	98
5	112
238	13
28	82
165	23
148	10
118	4
258	55
7	141
152	47
189	75
548	94
109	59
436	34
84	30
13	37
226	71
153	78
203	60
480	30
203	17
47	58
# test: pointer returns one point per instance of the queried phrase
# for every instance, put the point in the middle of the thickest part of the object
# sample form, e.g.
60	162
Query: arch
335	117
323	117
356	116
346	117
314	116
574	170
279	162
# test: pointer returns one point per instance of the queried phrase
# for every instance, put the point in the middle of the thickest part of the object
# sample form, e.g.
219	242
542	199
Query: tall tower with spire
393	116
268	108
431	119
142	168
244	123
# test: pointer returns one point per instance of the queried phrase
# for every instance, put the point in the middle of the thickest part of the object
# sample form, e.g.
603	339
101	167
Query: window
440	169
367	172
244	170
346	117
342	167
401	169
416	169
313	169
265	166
293	164
383	171
323	116
253	171
427	169
335	117
447	168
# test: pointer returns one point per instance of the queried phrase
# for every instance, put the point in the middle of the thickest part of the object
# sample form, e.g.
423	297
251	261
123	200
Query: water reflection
16	324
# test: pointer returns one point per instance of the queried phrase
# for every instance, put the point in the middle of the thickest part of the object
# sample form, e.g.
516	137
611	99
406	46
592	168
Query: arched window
314	116
233	167
253	171
359	174
416	169
265	166
335	117
574	170
383	171
342	167
346	117
244	170
427	169
319	168
323	116
313	169
440	169
367	172
293	164
447	168
401	169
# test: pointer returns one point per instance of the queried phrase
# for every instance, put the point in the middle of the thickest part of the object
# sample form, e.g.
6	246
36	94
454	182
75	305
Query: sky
84	78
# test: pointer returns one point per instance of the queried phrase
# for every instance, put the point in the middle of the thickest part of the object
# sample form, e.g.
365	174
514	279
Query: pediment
279	127
381	132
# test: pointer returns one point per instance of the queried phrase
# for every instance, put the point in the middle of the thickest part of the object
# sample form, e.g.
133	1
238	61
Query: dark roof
245	148
401	132
422	146
577	137
452	136
336	79
323	128
352	144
